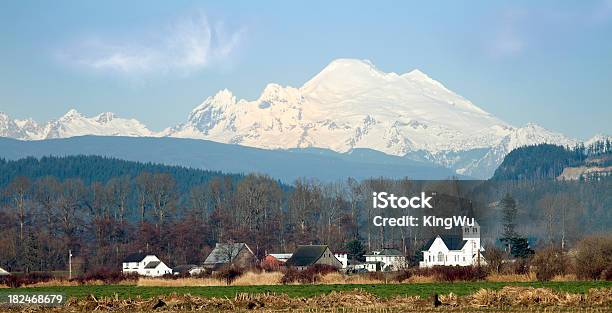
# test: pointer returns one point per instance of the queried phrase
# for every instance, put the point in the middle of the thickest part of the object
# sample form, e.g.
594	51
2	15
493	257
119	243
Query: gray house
238	254
310	255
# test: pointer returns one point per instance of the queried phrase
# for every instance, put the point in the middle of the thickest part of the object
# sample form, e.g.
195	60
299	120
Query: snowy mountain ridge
72	124
349	104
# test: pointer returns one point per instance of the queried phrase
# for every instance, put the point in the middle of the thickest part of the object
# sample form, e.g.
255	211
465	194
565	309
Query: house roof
281	256
183	268
452	242
222	251
152	264
306	255
386	251
134	257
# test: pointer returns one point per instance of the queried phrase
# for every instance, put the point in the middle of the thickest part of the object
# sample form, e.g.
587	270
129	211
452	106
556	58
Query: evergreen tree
356	250
509	216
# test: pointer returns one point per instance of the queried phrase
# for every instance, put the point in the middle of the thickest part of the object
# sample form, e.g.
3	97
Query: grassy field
384	291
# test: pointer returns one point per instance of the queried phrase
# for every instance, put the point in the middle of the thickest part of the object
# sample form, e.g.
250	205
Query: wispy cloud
508	40
185	46
518	30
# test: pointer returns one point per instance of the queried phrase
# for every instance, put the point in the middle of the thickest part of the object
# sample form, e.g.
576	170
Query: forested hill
100	169
546	161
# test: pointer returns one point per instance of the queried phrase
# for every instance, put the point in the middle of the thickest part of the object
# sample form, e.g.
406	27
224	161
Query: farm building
368	266
145	265
390	259
454	250
305	256
275	260
238	254
3	272
186	269
342	256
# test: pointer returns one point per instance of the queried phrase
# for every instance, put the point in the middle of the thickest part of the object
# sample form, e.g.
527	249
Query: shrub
594	258
308	276
453	273
402	276
521	266
16	281
229	274
495	258
549	262
106	275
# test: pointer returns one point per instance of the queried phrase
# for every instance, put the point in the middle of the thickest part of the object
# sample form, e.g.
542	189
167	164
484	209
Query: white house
342	257
145	265
390	259
448	250
369	266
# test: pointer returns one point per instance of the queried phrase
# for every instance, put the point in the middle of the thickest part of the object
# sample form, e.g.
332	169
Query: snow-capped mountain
531	134
9	128
350	104
72	124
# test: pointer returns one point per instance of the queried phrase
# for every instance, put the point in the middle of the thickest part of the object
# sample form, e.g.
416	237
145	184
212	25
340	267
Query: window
440	256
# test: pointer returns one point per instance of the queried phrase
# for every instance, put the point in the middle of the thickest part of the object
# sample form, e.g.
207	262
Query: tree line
179	214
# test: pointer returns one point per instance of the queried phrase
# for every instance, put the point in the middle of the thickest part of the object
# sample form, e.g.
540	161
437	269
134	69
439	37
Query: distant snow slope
350	104
72	124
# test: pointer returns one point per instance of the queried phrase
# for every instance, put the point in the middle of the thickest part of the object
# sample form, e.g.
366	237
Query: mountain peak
72	113
417	74
347	66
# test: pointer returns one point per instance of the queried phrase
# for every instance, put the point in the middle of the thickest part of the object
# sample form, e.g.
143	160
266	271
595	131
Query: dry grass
511	277
258	279
248	279
520	299
419	279
567	277
67	283
181	282
529	296
337	278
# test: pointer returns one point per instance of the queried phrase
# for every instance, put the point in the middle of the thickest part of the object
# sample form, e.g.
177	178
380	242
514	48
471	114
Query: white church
449	250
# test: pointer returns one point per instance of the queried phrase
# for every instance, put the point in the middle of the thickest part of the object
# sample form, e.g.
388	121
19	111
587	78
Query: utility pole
69	264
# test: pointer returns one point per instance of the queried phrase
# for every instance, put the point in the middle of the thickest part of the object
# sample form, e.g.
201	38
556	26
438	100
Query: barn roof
452	242
134	257
306	255
281	256
152	265
183	268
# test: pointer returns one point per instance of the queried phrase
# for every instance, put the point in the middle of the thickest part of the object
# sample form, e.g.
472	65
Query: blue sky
547	62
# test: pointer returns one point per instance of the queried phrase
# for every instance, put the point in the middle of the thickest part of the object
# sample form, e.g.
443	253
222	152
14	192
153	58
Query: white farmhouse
342	257
145	265
449	250
390	259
